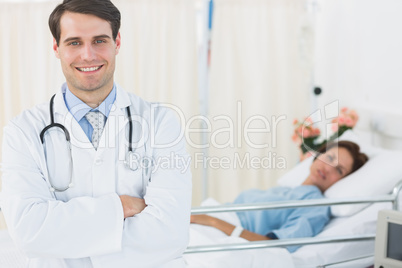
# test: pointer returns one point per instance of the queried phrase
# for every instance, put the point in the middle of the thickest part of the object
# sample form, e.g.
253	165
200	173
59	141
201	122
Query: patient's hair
359	158
103	9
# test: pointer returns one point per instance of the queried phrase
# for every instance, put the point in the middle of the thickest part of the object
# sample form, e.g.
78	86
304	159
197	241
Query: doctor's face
330	167
87	52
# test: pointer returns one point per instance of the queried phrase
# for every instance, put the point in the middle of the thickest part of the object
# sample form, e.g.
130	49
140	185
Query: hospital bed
348	239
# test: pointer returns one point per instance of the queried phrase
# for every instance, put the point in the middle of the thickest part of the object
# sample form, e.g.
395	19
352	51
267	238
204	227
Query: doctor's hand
132	205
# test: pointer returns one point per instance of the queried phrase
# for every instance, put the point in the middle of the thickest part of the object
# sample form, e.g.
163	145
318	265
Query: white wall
358	60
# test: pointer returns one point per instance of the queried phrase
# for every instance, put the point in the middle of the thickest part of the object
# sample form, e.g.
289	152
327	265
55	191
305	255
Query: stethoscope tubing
53	124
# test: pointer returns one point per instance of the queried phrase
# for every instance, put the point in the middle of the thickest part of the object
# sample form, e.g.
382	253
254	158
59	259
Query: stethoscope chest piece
132	160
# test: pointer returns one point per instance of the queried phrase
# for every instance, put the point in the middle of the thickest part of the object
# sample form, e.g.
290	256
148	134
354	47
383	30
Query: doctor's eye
74	43
100	41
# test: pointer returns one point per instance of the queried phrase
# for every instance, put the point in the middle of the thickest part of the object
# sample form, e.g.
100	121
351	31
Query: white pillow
378	176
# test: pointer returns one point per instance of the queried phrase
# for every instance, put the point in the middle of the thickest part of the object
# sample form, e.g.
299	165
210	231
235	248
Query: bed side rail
290	204
279	243
393	197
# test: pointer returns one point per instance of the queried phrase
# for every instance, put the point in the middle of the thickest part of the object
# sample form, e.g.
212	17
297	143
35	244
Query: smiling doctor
79	187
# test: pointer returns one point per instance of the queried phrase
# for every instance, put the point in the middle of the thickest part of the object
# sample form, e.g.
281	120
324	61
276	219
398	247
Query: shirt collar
79	109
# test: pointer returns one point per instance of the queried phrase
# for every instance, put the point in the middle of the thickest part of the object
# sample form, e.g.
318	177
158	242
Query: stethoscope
132	160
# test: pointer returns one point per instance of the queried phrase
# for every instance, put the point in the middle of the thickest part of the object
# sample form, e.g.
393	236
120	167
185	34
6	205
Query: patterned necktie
97	121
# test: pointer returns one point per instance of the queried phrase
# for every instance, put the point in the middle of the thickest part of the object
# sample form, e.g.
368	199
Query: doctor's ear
118	43
56	48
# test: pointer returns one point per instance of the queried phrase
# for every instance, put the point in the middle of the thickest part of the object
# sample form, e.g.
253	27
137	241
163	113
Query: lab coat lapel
120	105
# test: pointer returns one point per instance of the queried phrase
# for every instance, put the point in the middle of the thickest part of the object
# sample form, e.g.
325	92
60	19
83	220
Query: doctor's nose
88	52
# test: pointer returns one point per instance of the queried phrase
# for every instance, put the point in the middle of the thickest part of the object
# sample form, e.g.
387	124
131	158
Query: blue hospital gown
284	223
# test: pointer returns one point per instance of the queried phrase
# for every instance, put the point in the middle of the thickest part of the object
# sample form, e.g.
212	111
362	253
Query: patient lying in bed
334	162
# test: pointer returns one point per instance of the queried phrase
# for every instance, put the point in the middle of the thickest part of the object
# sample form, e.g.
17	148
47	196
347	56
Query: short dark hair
359	158
103	9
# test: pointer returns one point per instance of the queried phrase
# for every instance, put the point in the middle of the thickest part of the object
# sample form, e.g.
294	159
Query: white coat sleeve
160	233
43	226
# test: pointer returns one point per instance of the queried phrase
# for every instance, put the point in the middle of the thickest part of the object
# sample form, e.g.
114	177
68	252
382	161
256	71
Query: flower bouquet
307	137
347	119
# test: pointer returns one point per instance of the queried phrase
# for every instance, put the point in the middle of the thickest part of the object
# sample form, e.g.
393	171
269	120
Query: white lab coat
84	226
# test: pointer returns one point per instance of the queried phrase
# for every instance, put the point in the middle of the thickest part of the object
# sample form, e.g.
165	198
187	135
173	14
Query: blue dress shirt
79	109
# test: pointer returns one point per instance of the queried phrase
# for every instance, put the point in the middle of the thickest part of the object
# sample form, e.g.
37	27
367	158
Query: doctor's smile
88	69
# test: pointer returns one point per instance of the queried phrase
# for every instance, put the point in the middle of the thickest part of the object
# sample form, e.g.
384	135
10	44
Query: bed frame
392	197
